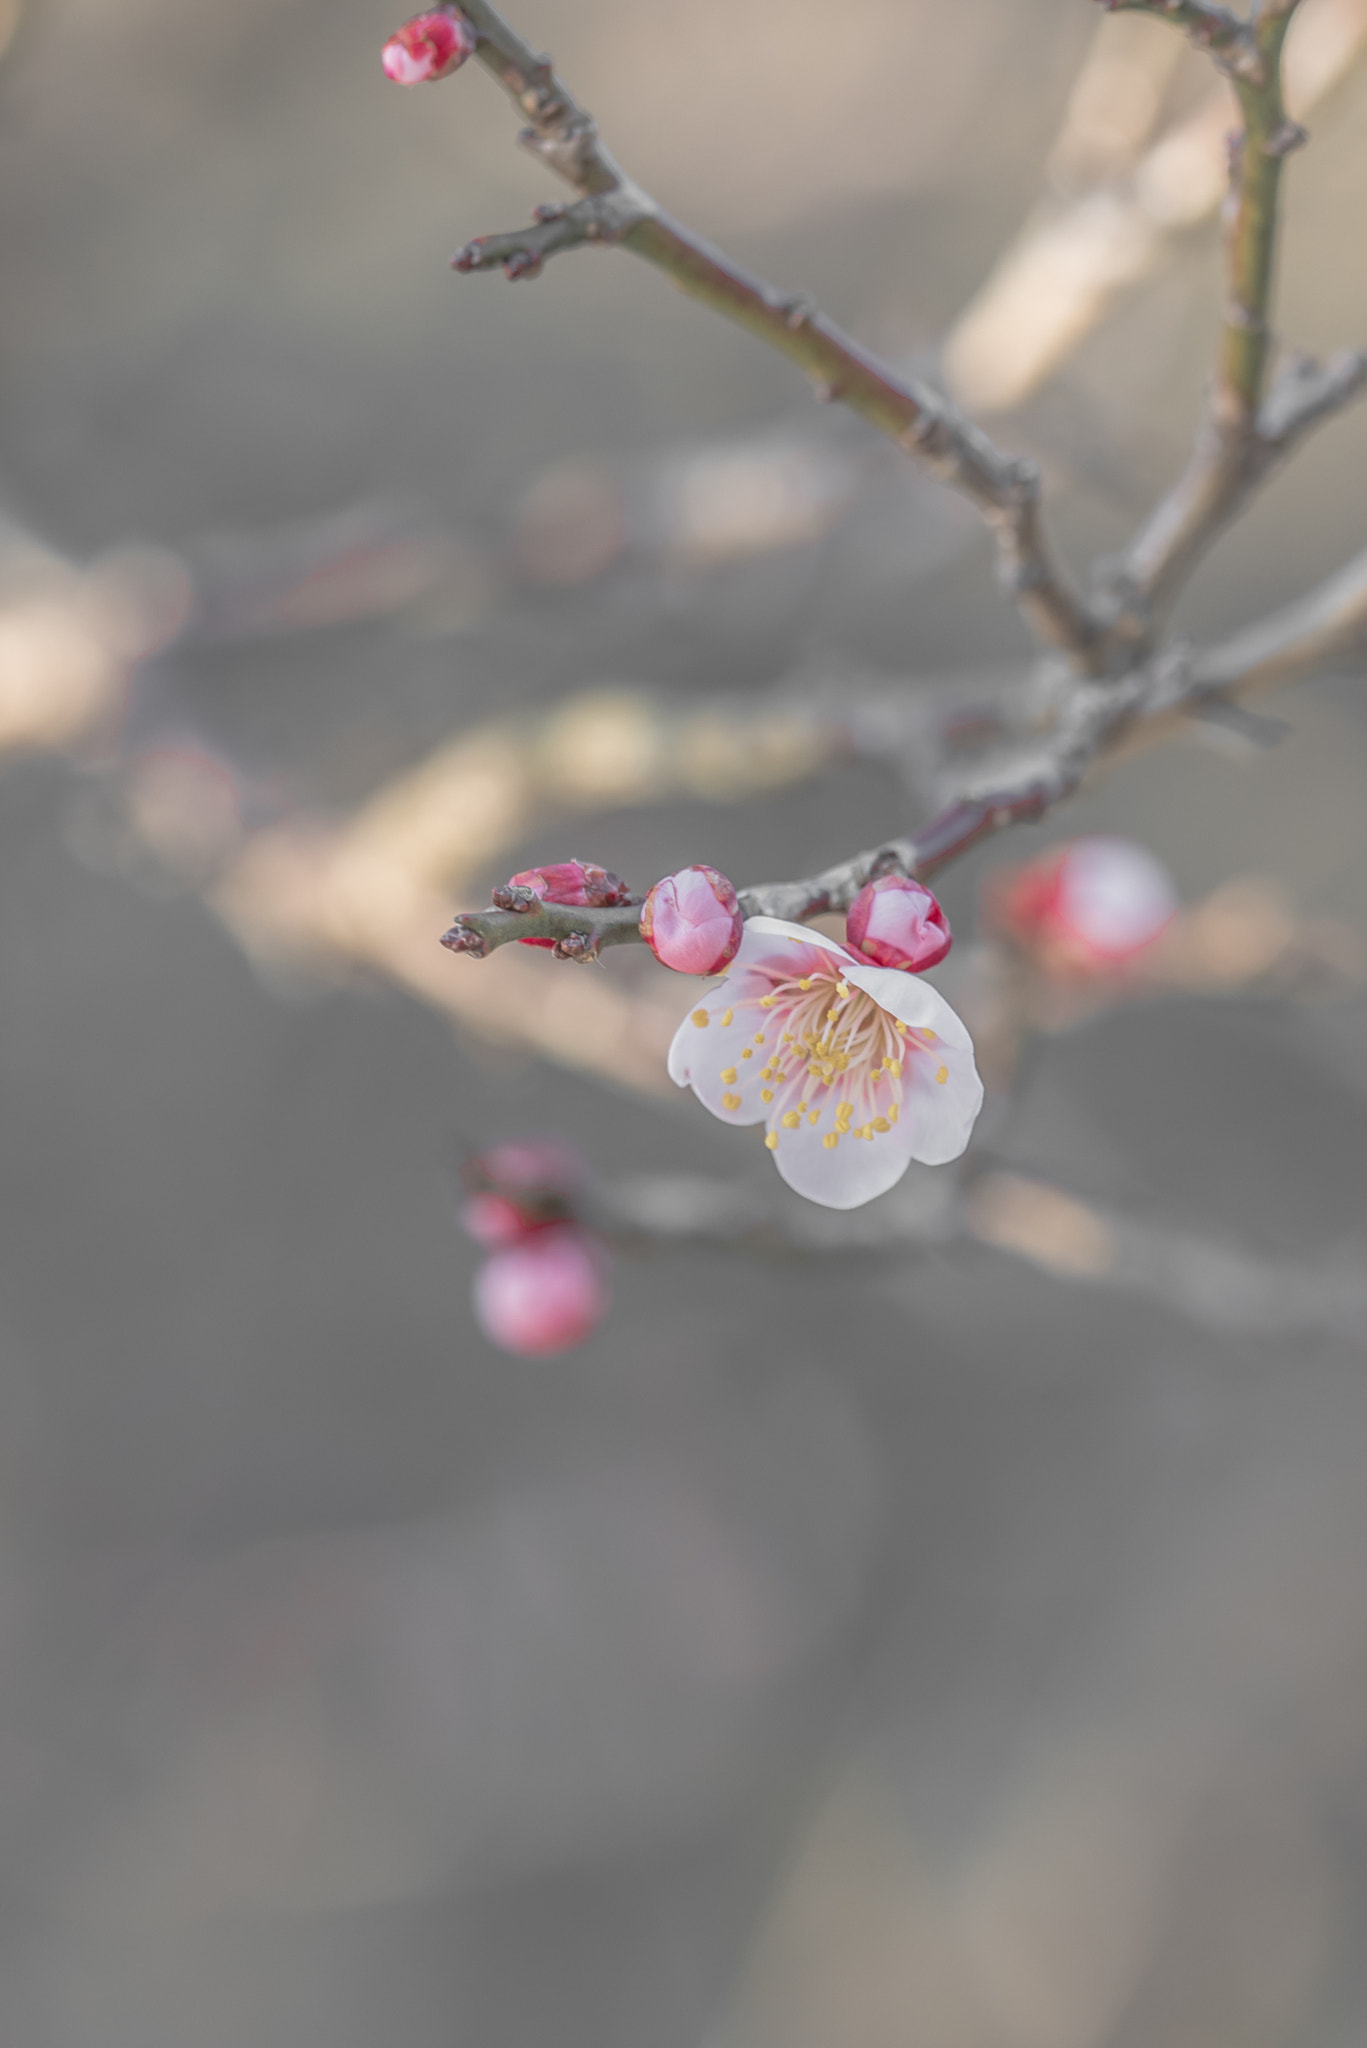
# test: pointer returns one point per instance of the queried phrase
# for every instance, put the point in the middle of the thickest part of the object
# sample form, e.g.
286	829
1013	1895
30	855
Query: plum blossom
692	922
853	1070
896	922
1090	907
543	1295
430	46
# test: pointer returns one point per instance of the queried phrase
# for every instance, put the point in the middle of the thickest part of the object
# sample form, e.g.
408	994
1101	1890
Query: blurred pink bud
692	922
1089	907
429	46
493	1221
531	1166
544	1295
896	922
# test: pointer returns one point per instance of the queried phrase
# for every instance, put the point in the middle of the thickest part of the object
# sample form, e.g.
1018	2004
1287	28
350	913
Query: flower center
837	1049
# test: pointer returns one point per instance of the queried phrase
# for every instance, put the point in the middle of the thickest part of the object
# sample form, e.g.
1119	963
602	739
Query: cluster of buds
1084	911
543	1286
430	46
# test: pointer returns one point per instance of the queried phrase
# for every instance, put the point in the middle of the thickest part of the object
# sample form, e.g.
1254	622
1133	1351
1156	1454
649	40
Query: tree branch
1215	1285
1327	622
923	422
1245	431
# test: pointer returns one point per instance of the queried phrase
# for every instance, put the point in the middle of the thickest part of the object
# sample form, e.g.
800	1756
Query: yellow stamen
767	1002
760	1037
942	1075
771	1140
894	1111
700	1017
815	1117
728	1074
790	1120
880	1123
842	988
805	982
929	1036
766	1094
830	1141
802	1109
727	1016
894	1067
730	1102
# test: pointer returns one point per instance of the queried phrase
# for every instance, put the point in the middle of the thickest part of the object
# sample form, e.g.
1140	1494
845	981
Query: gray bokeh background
916	1651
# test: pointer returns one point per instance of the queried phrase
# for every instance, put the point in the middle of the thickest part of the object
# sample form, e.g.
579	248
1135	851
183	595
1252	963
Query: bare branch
922	421
1314	630
1245	432
1228	39
1216	1285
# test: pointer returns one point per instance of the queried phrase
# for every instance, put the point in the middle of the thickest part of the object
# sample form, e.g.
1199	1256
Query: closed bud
692	922
544	1295
429	46
896	922
579	882
1091	907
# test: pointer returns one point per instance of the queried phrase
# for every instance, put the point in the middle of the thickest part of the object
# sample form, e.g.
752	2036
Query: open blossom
853	1070
896	922
543	1295
692	922
1090	907
430	46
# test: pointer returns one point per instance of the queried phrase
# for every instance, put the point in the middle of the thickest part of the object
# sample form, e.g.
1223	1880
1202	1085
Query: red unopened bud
579	882
1088	908
692	922
544	1295
530	1166
493	1221
896	922
429	46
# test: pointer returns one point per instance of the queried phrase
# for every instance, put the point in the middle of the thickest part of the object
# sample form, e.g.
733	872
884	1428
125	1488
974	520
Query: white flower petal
914	1001
849	1173
939	1115
763	939
702	1056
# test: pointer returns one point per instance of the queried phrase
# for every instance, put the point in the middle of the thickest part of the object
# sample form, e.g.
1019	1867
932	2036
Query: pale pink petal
853	1170
723	1058
941	1097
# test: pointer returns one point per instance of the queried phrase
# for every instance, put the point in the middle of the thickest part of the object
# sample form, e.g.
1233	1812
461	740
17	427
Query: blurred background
945	1646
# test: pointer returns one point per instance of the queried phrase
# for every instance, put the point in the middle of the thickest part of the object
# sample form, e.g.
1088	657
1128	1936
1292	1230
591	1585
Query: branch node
1288	135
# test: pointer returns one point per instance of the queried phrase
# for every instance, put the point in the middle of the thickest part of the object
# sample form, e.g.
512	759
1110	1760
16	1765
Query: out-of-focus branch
1216	1285
1122	198
614	209
1330	621
1244	432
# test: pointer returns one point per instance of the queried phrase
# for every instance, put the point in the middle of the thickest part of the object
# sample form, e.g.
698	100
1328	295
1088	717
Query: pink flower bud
493	1221
544	1295
579	882
692	922
1086	908
896	922
531	1166
429	46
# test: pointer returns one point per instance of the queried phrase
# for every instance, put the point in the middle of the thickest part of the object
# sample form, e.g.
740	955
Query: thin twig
926	424
1245	431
